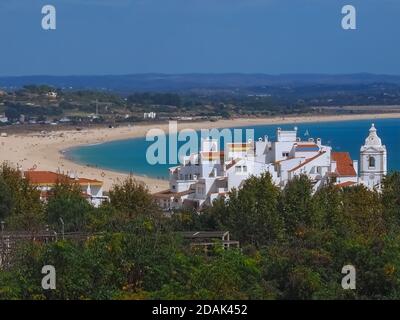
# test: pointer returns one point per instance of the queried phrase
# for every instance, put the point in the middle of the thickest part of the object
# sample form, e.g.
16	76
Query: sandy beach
44	151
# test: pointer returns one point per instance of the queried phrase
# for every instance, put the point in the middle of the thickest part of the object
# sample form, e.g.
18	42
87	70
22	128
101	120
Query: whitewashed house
45	181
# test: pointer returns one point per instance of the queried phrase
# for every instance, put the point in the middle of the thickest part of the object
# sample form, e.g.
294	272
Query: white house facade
45	181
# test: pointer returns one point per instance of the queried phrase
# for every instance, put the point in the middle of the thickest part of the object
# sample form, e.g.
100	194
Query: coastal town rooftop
47	178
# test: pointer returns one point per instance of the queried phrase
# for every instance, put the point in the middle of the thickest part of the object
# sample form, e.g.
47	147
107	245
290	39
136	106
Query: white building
52	94
45	181
3	119
212	173
149	115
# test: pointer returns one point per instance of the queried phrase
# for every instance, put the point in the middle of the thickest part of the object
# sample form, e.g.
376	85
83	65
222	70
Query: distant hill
187	82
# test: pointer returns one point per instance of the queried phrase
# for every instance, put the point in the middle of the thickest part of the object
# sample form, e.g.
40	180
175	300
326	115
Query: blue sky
204	36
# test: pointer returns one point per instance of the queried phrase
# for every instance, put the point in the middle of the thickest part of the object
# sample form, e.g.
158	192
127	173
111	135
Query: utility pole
2	249
2	233
62	227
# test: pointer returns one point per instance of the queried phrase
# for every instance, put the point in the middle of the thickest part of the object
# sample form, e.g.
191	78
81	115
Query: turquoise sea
130	155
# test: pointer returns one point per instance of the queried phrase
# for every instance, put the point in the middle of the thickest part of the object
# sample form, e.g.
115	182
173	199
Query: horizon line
203	73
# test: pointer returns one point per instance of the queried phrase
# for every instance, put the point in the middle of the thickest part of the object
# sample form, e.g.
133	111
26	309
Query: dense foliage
293	243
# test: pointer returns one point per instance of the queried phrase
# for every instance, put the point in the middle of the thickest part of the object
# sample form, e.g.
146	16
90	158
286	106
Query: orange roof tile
169	194
43	177
346	184
212	155
344	164
235	147
51	178
88	181
239	144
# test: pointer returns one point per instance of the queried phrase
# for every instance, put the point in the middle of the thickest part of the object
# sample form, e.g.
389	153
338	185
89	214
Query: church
211	173
373	160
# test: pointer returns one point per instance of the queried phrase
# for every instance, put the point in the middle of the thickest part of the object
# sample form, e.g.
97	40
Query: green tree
132	199
27	212
227	275
251	212
187	220
363	213
67	202
391	198
6	199
328	205
297	206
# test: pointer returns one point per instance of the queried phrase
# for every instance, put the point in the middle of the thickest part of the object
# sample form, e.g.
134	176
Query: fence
9	241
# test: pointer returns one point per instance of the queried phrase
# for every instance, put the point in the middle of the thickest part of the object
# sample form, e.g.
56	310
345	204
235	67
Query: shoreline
47	152
134	174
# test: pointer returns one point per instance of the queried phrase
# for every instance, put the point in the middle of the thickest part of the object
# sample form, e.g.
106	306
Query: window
200	190
285	154
371	162
240	169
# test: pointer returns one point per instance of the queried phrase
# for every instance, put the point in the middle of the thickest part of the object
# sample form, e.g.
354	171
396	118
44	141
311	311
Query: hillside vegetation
293	243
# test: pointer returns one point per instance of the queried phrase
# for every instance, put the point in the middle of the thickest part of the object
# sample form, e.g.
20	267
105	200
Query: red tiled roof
239	144
169	194
43	177
344	164
213	155
307	161
47	194
87	181
51	178
346	184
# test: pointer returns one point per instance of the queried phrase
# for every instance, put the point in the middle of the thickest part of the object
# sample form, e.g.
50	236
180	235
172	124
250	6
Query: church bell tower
373	160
